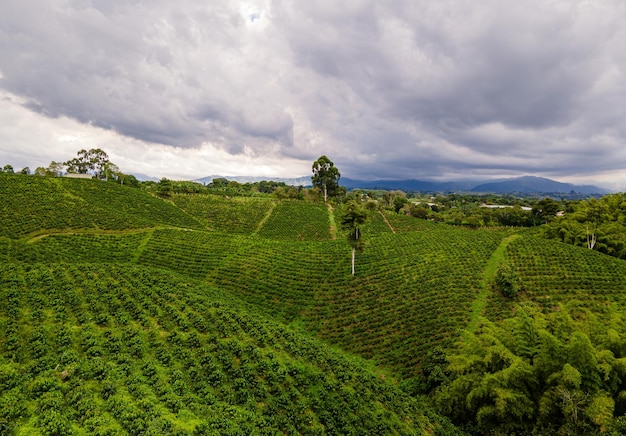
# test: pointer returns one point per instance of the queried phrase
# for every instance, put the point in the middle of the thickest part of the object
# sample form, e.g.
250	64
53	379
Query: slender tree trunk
325	193
591	239
353	250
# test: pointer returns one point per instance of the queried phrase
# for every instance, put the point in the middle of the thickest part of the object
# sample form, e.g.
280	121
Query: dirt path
333	225
264	220
387	221
479	304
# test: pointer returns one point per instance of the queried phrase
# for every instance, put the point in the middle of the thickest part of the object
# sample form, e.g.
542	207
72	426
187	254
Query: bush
506	281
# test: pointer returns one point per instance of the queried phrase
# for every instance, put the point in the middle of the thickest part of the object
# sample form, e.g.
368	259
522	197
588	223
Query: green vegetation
535	373
92	349
326	177
125	313
33	204
241	215
595	224
298	221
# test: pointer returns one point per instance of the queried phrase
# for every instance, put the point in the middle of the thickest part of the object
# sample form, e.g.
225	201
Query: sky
397	89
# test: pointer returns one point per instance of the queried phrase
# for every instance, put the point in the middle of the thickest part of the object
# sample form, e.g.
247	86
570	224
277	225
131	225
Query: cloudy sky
433	89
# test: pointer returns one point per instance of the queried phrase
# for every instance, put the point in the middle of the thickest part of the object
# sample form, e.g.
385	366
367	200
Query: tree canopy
94	159
325	176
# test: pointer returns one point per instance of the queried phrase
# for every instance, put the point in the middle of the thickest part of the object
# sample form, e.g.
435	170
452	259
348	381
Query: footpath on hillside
387	221
333	225
478	306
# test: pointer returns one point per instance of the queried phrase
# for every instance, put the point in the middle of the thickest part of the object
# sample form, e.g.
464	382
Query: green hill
96	349
177	285
46	204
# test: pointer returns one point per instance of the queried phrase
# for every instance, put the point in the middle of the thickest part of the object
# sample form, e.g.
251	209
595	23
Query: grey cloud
383	88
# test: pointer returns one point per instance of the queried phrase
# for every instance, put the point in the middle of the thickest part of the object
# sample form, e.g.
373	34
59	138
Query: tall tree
95	160
325	176
354	216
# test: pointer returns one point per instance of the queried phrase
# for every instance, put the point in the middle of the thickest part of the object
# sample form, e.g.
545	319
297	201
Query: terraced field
412	290
298	221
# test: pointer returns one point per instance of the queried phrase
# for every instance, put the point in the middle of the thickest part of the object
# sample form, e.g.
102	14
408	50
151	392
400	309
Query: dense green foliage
598	224
549	273
241	215
119	350
563	372
298	221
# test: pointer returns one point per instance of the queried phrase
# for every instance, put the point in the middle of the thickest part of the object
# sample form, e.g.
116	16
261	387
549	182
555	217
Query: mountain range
522	185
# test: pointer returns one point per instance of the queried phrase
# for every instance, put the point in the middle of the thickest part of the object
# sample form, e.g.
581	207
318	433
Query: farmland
126	313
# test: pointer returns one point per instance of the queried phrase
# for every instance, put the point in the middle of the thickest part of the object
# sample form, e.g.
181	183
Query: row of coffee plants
297	220
193	253
240	215
412	290
95	349
108	248
34	204
404	223
549	272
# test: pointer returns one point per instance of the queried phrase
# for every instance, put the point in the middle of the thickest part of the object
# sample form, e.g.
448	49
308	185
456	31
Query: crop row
239	215
550	272
297	220
412	289
138	350
79	248
188	252
32	204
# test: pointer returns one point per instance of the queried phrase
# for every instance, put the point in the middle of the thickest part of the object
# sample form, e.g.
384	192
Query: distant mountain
525	184
531	184
144	178
408	185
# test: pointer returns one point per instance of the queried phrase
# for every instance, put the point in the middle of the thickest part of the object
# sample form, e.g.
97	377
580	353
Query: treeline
598	224
595	223
231	188
558	373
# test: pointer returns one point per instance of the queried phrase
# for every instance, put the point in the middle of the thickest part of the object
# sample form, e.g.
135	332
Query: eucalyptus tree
325	176
94	159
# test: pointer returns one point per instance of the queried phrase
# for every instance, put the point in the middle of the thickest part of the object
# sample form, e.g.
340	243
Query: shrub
506	281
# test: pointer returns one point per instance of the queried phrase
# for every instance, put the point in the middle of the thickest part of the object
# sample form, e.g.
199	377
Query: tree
95	160
545	210
8	169
55	169
165	188
399	202
25	170
353	218
325	176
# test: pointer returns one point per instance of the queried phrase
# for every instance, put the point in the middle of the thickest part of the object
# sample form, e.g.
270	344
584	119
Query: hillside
96	349
97	337
267	284
40	204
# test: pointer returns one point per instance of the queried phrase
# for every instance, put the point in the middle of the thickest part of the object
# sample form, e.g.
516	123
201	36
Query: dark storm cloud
393	89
